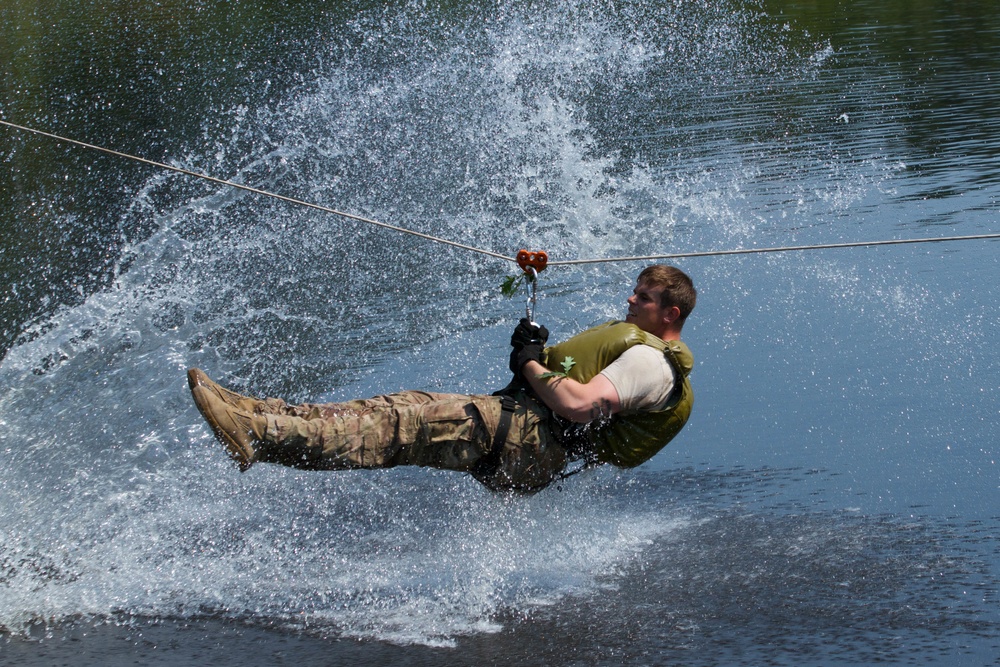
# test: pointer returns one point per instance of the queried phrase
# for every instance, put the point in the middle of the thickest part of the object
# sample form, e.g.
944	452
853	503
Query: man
613	394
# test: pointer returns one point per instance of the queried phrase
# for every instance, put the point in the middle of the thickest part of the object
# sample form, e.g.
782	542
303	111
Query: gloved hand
528	341
528	332
520	356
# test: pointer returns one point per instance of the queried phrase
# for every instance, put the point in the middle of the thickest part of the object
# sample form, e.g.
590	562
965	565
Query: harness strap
488	465
507	405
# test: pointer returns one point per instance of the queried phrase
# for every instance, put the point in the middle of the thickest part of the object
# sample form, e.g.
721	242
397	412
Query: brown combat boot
240	431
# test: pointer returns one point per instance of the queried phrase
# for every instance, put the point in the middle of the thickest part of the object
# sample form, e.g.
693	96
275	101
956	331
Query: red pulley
536	260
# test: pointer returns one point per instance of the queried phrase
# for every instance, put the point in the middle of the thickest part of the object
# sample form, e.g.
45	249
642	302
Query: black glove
528	332
528	341
520	356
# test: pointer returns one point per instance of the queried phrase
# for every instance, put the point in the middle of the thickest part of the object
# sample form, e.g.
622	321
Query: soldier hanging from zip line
614	394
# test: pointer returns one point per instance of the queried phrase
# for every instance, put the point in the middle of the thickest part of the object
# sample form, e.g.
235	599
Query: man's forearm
568	398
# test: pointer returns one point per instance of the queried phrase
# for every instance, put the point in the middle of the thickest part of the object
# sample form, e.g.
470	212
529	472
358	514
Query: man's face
644	308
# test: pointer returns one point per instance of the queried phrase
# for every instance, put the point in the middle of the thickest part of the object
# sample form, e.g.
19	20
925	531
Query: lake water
833	500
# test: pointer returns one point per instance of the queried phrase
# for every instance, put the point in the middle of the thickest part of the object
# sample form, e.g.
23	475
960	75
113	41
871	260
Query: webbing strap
489	463
507	405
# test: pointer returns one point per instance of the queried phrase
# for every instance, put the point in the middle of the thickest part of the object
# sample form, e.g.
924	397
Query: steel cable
489	253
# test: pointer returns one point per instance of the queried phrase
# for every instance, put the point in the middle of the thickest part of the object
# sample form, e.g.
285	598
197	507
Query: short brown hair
678	288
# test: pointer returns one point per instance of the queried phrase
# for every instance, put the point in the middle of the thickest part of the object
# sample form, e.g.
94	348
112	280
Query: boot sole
197	377
237	451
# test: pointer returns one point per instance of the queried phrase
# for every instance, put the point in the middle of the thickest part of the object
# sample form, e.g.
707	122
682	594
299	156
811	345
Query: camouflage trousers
445	431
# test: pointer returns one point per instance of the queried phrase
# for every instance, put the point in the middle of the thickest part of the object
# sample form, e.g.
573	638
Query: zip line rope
535	260
247	188
791	248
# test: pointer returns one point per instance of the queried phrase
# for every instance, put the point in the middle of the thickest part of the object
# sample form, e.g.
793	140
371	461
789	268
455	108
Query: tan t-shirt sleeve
643	378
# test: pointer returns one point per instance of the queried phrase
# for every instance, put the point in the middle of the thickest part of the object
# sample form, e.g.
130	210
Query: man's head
677	287
663	298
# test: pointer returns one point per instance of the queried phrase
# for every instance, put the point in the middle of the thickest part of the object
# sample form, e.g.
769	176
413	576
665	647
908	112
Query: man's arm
568	398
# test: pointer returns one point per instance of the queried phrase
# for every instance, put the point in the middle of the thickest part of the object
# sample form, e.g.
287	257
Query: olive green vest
628	438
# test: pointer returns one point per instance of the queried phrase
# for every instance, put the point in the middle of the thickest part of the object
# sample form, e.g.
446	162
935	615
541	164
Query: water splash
507	130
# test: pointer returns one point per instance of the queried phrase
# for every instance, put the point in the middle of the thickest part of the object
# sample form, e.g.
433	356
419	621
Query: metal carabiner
531	288
531	263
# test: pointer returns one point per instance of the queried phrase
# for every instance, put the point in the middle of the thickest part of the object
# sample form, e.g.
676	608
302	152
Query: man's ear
671	315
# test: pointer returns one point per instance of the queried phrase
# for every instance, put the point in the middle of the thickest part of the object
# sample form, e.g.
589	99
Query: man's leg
446	431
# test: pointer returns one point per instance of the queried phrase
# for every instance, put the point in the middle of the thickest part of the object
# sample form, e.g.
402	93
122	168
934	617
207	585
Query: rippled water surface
833	499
